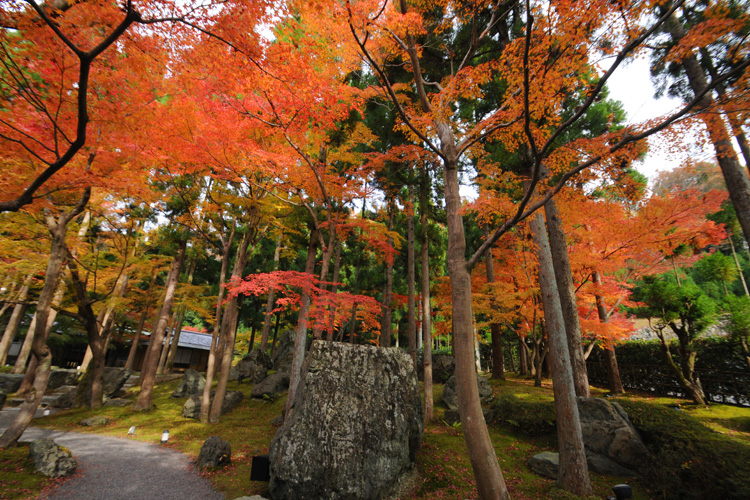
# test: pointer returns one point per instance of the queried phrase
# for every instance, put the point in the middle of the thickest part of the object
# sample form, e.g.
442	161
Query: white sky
632	86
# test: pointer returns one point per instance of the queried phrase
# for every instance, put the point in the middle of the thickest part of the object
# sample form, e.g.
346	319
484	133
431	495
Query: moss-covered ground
521	430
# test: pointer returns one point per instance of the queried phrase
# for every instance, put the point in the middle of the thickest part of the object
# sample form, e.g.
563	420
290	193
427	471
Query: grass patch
17	476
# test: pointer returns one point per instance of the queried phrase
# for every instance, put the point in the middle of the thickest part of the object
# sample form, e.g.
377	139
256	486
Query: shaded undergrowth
522	425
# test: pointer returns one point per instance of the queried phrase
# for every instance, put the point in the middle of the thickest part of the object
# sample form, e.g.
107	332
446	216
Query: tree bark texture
573	474
212	352
385	335
411	312
613	370
15	321
426	307
498	361
58	253
736	178
23	355
300	337
136	339
229	332
270	301
148	371
564	279
489	477
334	290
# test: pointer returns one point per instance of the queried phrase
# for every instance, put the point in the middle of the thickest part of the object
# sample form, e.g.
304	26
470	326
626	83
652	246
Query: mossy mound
688	460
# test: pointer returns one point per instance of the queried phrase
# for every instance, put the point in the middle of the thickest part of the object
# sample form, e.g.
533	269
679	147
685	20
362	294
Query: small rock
192	407
284	353
545	464
450	396
65	400
61	377
113	380
192	383
50	459
215	452
10	382
278	421
273	384
96	421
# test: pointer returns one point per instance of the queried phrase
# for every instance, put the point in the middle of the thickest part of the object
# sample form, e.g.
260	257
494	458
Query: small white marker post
165	436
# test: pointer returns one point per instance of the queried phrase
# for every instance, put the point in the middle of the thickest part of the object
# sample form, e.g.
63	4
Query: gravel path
122	469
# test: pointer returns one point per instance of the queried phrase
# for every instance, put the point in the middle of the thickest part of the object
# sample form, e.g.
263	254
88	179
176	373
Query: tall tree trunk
270	301
573	475
736	178
15	321
739	267
229	329
136	339
613	370
58	253
426	307
148	371
522	358
385	329
212	352
734	121
410	272
168	339
23	355
328	252
498	361
334	290
300	337
175	344
224	331
564	280
180	320
489	477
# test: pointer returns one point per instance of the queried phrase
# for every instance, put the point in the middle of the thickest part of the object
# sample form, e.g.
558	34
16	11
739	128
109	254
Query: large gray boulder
50	459
215	452
113	380
284	353
613	446
10	382
192	383
253	367
61	377
450	396
192	407
353	429
271	386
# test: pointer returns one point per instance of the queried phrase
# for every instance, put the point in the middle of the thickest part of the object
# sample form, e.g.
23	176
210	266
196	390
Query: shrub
688	460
